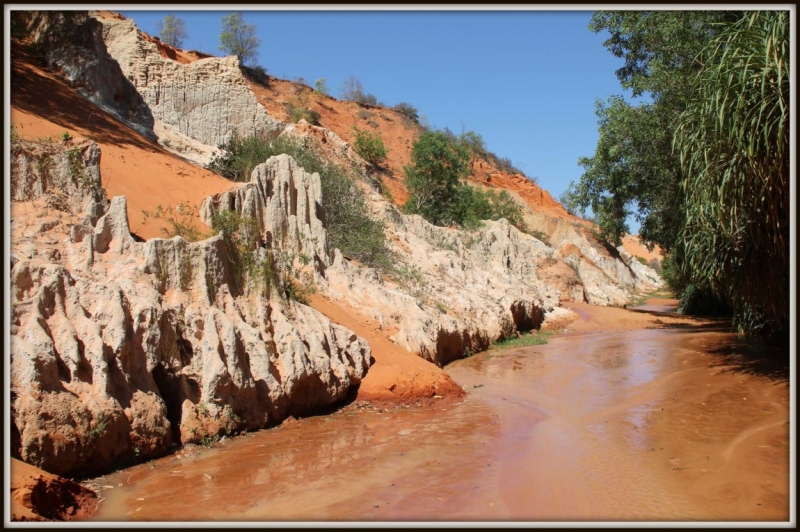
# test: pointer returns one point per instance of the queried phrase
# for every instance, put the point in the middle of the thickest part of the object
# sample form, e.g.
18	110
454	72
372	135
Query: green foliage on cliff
437	187
347	217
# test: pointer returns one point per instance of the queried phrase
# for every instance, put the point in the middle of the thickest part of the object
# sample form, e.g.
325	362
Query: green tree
705	162
633	165
433	180
634	169
239	38
172	31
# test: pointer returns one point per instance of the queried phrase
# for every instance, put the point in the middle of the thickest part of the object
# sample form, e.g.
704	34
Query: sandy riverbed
628	416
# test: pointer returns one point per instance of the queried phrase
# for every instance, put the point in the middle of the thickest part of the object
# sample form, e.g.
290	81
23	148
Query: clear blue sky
527	81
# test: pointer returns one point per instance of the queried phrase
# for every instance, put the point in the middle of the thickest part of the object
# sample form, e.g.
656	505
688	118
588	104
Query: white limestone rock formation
120	348
73	45
204	101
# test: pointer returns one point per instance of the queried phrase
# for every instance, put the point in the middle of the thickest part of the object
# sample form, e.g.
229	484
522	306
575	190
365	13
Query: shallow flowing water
635	425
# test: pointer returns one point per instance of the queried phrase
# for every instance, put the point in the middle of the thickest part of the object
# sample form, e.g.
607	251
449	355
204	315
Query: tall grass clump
733	141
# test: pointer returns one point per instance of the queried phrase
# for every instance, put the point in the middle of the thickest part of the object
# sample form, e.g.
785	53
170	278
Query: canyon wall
121	348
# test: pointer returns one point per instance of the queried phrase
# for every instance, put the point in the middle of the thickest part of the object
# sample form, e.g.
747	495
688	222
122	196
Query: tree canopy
172	31
239	38
702	162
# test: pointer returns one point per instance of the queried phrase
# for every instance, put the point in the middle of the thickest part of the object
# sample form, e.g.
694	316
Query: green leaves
239	38
172	31
439	165
438	192
369	146
733	140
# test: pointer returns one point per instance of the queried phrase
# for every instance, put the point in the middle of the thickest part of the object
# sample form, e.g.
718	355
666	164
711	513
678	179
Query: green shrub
641	260
699	302
408	110
299	109
351	228
303	113
369	146
524	340
438	192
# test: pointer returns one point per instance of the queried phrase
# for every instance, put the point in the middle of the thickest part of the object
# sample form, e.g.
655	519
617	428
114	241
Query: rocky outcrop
572	261
205	100
601	274
121	348
286	202
445	299
72	43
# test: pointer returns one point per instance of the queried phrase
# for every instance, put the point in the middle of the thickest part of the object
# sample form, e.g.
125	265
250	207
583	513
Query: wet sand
683	422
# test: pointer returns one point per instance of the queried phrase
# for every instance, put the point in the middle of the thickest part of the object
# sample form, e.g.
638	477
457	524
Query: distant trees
239	38
353	91
172	31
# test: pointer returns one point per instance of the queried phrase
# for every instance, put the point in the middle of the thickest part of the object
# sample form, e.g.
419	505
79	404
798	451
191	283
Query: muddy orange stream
628	425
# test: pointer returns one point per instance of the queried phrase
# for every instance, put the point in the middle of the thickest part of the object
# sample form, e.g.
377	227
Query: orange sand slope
130	165
397	131
633	246
37	495
396	376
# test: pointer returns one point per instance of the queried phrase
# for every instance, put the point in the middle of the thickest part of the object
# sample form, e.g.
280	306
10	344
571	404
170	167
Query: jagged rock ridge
120	348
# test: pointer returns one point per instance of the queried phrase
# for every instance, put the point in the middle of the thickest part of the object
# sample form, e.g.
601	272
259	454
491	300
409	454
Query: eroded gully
653	424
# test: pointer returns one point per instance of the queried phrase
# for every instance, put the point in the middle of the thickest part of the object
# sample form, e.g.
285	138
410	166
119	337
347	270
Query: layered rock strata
446	297
72	44
198	105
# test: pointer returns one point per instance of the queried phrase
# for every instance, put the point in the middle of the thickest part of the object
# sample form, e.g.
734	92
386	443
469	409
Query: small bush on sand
408	110
369	146
181	221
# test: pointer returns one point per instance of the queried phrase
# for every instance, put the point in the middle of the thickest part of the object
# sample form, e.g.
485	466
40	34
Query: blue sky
527	81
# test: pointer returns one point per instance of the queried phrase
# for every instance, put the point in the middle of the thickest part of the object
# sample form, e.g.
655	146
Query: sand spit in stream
679	422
